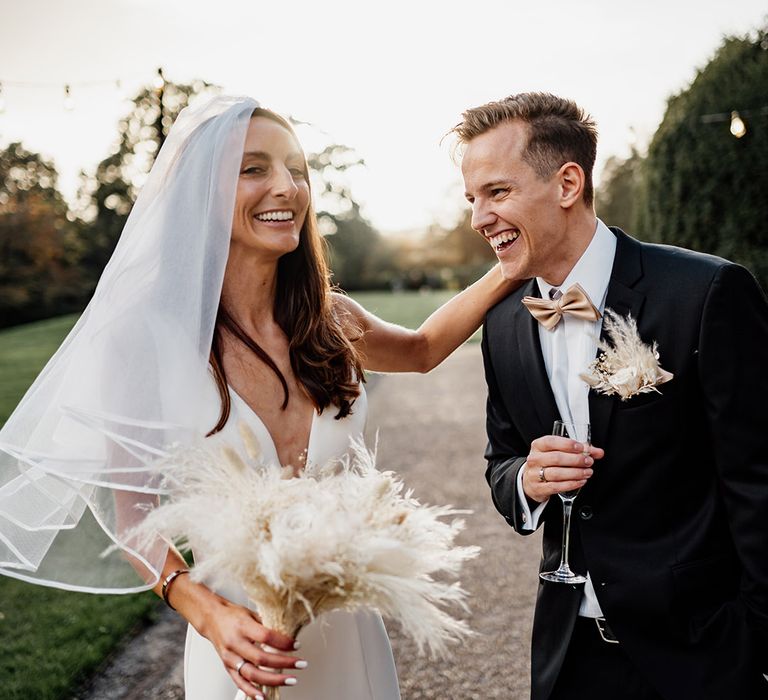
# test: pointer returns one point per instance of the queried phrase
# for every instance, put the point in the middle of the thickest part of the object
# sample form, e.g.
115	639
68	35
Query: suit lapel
624	300
530	364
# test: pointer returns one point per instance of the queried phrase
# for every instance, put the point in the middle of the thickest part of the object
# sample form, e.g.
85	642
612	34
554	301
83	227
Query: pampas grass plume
626	366
337	536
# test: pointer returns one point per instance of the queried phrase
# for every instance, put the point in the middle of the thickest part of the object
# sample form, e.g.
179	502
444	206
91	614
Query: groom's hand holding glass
556	465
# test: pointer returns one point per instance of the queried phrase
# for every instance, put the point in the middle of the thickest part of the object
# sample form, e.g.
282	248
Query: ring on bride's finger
542	475
240	665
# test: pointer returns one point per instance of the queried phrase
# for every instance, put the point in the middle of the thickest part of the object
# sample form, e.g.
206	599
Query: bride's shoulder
349	314
342	303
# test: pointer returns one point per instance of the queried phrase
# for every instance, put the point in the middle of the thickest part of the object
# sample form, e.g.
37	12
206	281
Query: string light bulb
159	81
69	102
738	127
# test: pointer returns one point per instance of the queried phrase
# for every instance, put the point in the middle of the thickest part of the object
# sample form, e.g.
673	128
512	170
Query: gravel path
432	433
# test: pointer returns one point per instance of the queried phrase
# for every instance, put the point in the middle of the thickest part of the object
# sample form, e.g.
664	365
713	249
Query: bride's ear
571	180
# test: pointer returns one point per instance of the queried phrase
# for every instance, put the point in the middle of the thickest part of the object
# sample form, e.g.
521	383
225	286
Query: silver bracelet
168	581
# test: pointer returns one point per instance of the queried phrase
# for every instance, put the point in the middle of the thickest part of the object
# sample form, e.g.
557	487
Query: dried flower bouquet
336	536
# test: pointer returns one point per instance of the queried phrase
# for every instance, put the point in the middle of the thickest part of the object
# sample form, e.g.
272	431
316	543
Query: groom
671	525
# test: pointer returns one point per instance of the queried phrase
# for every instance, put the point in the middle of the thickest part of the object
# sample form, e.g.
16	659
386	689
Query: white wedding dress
348	653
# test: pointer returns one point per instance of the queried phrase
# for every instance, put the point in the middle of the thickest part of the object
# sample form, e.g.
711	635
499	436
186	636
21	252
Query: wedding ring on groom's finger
542	475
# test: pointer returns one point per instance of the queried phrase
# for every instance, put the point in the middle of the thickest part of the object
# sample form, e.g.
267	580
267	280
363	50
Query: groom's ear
571	180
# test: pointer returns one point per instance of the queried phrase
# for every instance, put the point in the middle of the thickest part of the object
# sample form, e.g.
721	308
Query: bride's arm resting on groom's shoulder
387	347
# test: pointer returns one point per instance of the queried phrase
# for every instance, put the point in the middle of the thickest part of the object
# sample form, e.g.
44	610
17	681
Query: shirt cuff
530	519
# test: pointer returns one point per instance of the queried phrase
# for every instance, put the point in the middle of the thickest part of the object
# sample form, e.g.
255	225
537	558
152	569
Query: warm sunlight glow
387	88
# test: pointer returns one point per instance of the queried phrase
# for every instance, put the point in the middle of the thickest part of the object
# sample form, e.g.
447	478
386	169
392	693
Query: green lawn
51	640
406	308
23	352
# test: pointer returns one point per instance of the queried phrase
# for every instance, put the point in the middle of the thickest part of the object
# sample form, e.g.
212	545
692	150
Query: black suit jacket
673	525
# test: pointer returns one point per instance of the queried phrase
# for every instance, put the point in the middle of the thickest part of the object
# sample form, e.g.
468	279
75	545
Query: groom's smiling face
519	213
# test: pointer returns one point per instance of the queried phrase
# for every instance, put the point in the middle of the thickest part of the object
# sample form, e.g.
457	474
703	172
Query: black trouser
596	670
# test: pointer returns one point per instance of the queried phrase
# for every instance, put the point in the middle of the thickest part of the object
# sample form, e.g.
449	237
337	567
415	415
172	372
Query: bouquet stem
280	619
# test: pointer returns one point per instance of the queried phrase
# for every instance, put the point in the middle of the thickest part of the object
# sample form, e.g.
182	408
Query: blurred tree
467	253
452	257
702	188
39	249
359	257
106	198
465	246
616	198
328	169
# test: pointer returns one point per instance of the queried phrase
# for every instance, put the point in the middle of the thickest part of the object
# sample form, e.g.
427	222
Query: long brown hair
322	357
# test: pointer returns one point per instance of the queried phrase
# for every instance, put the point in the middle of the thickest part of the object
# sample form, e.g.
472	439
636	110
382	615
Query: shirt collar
593	269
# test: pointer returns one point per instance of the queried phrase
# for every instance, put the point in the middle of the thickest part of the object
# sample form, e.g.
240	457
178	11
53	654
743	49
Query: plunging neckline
268	434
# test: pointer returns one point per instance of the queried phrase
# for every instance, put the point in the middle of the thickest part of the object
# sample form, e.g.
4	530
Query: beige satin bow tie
575	302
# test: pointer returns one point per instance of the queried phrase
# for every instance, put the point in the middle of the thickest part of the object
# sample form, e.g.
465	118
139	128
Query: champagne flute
582	433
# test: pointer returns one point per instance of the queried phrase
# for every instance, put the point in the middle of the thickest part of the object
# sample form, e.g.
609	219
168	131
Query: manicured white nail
291	681
301	664
269	649
297	645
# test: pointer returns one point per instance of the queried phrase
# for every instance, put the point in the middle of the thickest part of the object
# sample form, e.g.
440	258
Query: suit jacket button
585	513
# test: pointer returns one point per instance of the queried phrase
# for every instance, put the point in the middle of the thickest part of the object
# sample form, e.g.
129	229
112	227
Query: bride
215	308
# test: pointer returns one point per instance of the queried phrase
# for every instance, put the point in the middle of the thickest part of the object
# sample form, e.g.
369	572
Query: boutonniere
625	366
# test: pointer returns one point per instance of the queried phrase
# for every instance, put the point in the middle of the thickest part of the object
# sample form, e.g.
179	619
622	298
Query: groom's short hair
559	131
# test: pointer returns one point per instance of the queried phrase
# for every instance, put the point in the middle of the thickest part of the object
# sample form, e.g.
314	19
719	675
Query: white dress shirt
568	349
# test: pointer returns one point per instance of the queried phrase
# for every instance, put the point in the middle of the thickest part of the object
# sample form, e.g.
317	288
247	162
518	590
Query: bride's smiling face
272	191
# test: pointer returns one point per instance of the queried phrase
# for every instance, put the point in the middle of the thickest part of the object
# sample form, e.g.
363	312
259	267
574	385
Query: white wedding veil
132	376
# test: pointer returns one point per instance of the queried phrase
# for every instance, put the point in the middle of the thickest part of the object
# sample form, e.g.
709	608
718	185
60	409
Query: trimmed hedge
700	187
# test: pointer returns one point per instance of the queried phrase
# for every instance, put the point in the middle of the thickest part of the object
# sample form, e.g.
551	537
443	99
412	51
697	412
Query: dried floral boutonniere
626	366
